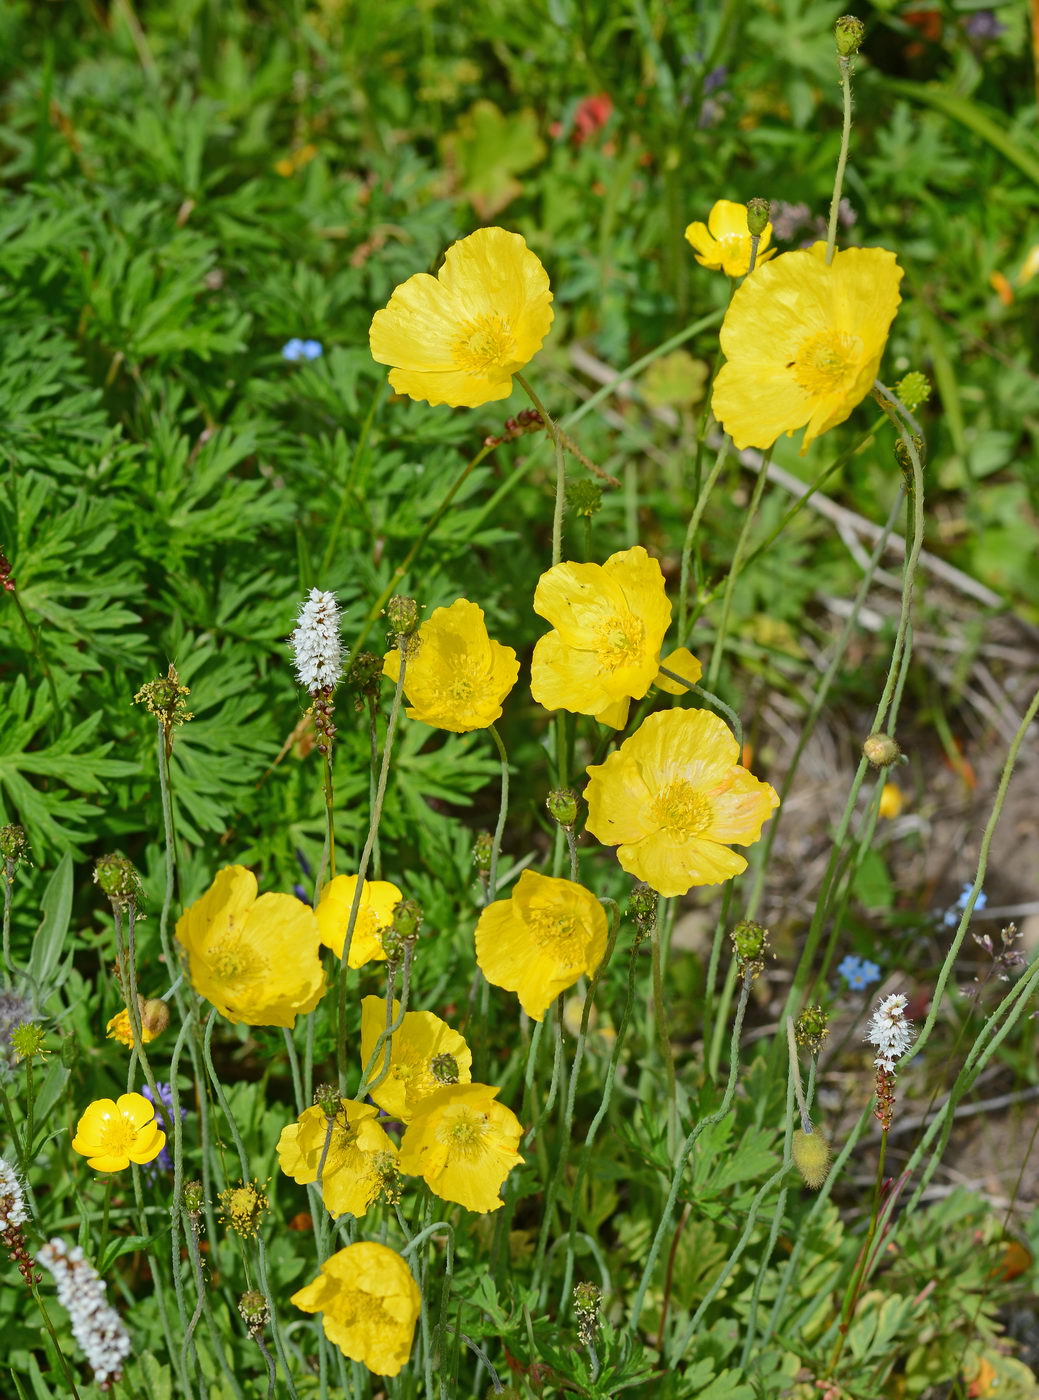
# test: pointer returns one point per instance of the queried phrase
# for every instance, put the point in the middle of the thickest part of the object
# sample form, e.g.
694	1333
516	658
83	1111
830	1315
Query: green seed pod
584	497
402	615
811	1153
444	1069
483	848
758	211
881	750
913	389
562	806
848	32
750	944
13	843
811	1028
119	880
407	920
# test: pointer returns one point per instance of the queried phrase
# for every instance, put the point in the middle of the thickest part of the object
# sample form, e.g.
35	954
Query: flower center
232	960
465	1134
682	810
360	1308
485	343
825	360
620	640
117	1137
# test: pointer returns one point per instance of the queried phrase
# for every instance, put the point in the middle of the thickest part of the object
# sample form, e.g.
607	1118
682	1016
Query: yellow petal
673	866
683	663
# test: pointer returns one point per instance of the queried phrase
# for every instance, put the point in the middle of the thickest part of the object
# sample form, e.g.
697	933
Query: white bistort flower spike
889	1031
317	650
12	1200
96	1326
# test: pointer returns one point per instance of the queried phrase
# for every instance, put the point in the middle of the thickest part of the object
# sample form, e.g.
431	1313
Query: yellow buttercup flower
112	1134
379	898
673	797
459	337
369	1303
255	959
724	241
803	343
539	942
456	677
425	1054
609	621
463	1143
891	801
360	1155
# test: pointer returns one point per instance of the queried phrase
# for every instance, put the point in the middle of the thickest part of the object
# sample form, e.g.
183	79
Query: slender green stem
503	810
557	442
662	1030
420	539
330	829
37	651
683	1156
844	64
362	870
66	1366
7	876
735	723
718	651
690	536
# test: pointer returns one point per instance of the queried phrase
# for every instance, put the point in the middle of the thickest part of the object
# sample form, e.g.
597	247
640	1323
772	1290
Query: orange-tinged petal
741	810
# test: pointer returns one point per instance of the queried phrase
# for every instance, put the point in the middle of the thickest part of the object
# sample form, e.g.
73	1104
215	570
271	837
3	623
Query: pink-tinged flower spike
96	1326
890	1033
13	1215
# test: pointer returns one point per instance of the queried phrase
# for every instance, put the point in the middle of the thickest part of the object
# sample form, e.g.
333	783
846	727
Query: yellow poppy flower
891	801
255	959
672	797
463	1144
369	1303
360	1155
459	337
456	677
803	343
425	1054
111	1135
155	1017
539	942
723	243
609	621
379	898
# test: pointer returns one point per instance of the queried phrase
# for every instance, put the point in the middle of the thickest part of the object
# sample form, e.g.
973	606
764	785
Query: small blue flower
292	350
951	917
313	349
859	973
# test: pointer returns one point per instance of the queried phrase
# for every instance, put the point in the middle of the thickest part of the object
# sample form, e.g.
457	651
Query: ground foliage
193	184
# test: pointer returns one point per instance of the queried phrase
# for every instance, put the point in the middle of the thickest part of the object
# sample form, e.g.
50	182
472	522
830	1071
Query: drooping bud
562	807
118	879
758	211
811	1154
848	32
881	750
811	1028
750	944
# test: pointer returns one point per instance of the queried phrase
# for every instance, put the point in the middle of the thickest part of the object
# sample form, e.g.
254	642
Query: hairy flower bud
750	944
758	211
401	616
584	497
14	844
118	879
562	807
913	389
194	1198
255	1313
483	849
811	1154
642	906
407	920
811	1028
848	33
881	750
328	1099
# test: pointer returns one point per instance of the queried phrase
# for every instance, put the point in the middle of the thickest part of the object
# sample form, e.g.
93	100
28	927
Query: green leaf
53	930
487	150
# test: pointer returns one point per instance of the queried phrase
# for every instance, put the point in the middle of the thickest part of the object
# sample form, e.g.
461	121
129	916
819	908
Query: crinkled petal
673	865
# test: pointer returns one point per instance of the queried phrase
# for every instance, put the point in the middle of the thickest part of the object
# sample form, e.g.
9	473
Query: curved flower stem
600	1114
718	651
684	1152
844	65
557	443
690	535
362	870
563	1157
661	1027
420	539
503	808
